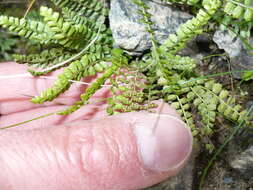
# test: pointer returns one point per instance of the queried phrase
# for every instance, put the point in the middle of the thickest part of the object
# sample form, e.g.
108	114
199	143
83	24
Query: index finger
17	86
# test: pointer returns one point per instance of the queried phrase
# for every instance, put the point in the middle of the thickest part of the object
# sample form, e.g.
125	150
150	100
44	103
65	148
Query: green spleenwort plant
240	17
6	45
174	74
239	9
79	39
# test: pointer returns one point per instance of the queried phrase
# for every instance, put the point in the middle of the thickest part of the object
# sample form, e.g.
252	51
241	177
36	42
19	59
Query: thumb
123	152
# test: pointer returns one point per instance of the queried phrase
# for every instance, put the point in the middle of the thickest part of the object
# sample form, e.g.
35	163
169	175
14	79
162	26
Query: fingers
86	112
122	152
17	87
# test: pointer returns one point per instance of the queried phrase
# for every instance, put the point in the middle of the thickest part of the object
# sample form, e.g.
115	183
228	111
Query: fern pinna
174	74
61	35
79	39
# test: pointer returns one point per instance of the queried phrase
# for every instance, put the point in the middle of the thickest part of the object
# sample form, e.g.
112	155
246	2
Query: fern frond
97	6
96	55
146	19
118	60
83	43
91	9
239	9
67	34
179	63
127	89
183	107
191	28
210	99
99	51
30	29
227	105
71	16
73	72
44	59
90	91
51	66
189	2
236	27
76	19
84	67
206	105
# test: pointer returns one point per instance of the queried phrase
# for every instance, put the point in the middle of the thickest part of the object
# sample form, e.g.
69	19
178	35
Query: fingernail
164	142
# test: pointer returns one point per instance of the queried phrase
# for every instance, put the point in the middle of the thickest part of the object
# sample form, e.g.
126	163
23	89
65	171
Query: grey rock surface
182	181
130	34
244	163
241	57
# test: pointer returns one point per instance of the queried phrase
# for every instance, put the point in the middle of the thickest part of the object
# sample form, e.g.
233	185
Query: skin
87	149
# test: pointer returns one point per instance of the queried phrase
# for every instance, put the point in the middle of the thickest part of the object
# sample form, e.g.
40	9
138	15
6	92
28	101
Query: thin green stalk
210	163
27	121
240	4
216	75
29	8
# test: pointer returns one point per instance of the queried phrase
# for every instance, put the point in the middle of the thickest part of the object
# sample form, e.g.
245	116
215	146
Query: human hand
87	149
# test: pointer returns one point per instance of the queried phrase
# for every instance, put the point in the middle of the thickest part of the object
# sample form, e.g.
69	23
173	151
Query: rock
182	181
130	34
241	58
244	163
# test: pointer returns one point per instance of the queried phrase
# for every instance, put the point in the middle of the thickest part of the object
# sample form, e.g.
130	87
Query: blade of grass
242	5
27	121
216	75
210	163
29	7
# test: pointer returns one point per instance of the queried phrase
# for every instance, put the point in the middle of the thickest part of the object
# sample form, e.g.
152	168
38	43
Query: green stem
27	121
210	163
